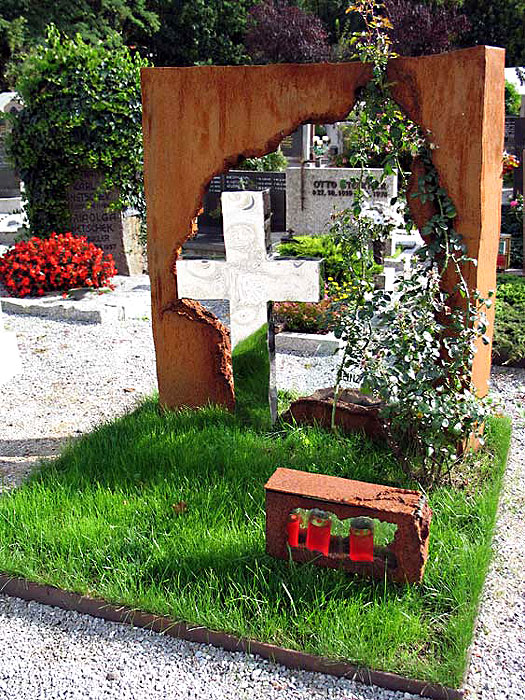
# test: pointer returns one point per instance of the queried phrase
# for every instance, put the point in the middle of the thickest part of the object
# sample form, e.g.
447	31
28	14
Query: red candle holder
362	539
293	526
318	532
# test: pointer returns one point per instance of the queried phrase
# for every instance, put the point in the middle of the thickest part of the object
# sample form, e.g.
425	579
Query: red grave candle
318	532
362	539
292	528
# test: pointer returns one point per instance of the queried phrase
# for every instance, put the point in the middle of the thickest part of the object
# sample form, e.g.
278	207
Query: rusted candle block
402	560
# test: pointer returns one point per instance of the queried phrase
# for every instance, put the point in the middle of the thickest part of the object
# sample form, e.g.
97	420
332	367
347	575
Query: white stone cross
249	277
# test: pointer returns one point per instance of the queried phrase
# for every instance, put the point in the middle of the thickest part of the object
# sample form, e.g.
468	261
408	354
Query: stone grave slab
115	232
9	180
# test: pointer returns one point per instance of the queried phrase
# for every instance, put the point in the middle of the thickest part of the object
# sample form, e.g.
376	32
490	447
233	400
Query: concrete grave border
200	121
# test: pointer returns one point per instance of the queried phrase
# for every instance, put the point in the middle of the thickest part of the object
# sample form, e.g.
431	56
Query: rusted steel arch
199	121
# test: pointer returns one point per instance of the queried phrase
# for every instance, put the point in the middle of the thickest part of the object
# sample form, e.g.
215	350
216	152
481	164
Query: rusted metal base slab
96	607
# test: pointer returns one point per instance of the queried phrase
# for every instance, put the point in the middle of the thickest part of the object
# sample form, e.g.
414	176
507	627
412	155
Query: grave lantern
318	532
293	527
503	262
362	539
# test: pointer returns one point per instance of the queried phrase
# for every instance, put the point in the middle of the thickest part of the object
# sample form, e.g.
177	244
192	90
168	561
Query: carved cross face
249	277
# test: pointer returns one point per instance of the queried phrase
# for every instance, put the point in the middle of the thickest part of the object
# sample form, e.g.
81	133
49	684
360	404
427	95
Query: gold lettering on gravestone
91	218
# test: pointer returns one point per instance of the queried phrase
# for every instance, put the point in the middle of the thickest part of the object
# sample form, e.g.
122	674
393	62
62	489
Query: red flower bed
58	263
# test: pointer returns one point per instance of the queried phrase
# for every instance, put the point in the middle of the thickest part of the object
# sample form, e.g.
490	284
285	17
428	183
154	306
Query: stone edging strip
96	607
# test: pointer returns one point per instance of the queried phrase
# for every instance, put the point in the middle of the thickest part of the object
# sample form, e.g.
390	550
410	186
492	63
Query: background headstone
313	194
9	181
115	232
210	221
298	145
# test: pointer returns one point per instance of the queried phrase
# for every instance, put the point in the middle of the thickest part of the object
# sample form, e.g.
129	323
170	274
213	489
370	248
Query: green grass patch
164	511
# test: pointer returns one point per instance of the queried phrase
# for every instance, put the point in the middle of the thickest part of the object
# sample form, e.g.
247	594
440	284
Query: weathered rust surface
289	488
207	376
459	97
233	112
246	110
354	412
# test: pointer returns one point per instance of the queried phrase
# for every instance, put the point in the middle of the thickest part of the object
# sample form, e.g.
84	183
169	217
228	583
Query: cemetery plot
171	520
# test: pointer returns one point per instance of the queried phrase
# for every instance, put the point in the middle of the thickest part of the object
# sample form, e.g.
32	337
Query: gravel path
76	376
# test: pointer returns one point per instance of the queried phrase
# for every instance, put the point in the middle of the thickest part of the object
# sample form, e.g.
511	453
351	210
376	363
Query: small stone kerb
402	560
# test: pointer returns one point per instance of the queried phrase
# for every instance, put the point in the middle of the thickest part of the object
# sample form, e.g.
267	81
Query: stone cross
249	277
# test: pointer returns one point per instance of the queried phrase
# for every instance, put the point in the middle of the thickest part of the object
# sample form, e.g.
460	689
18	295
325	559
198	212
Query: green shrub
82	111
330	250
509	328
307	317
271	162
512	223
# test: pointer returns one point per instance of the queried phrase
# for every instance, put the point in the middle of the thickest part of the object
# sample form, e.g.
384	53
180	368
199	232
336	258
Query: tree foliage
198	31
497	23
23	22
420	29
281	33
512	100
82	111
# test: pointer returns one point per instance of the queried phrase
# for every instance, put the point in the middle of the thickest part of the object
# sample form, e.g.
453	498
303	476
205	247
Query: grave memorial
246	111
313	194
249	277
115	232
9	181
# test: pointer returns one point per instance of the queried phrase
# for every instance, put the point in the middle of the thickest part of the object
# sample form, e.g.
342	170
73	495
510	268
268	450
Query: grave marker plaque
115	232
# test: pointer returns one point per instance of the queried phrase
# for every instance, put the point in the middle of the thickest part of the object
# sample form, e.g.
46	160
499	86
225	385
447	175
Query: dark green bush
512	222
509	328
82	111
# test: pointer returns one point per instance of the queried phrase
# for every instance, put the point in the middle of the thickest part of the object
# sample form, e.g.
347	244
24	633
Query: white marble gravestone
249	277
10	363
313	194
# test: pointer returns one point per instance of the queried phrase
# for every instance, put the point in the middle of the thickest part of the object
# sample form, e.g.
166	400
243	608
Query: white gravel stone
76	376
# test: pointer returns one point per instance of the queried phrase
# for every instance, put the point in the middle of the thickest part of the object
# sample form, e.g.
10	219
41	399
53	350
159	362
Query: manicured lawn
164	511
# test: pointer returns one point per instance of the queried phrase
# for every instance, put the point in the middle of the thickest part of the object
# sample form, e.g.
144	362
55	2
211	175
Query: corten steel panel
200	121
289	488
459	97
197	123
